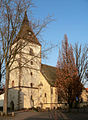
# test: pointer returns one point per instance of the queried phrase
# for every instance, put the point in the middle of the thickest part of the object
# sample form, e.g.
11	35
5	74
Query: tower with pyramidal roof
29	85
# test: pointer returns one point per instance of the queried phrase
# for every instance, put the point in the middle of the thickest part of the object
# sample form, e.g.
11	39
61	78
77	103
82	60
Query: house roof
86	89
26	31
49	72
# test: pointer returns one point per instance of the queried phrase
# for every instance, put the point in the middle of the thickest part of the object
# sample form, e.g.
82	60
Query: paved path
28	116
58	115
77	116
49	115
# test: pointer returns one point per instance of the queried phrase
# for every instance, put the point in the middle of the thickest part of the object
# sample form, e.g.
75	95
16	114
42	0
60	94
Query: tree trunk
70	104
5	105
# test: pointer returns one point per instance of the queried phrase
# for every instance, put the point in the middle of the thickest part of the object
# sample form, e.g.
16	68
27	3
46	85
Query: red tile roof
86	89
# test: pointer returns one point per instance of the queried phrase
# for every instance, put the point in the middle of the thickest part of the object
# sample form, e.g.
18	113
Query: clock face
29	33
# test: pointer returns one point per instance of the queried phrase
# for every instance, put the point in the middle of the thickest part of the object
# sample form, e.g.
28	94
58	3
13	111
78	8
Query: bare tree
10	21
81	57
11	15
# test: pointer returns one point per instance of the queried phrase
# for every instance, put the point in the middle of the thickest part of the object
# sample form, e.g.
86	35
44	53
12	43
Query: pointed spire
25	20
25	30
25	25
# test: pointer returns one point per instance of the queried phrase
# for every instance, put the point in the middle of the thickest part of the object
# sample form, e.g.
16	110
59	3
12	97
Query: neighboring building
84	95
1	91
1	100
31	83
84	98
1	97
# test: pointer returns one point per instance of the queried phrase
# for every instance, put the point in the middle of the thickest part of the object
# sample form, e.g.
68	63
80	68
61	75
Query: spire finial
25	20
25	12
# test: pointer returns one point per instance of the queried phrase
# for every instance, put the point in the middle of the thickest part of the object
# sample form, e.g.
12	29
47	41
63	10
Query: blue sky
71	18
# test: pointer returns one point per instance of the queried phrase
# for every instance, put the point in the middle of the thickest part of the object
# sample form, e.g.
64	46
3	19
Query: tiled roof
49	72
26	32
86	89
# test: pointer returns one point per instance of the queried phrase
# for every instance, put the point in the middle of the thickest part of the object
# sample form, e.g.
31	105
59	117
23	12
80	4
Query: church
31	83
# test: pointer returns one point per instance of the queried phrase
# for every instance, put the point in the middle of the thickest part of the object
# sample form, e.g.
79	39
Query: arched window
31	51
13	83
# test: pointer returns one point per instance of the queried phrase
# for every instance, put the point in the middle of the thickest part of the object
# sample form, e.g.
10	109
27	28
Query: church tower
23	83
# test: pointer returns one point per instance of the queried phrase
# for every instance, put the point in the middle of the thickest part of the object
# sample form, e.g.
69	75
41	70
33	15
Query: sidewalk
48	115
30	115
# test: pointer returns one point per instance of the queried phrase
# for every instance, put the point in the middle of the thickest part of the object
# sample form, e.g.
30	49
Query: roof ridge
49	65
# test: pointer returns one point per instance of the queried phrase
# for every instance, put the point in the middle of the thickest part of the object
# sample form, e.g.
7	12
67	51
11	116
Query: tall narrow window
45	94
31	73
31	84
13	83
45	98
31	51
59	98
31	62
51	90
31	97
